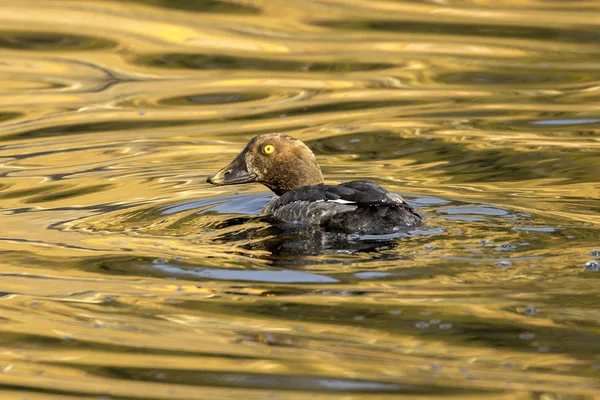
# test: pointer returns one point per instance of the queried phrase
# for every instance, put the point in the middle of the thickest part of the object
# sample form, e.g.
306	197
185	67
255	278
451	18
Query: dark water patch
7	116
378	145
51	41
202	6
94	127
224	62
69	193
516	77
31	342
554	34
296	111
213	98
131	125
33	388
24	193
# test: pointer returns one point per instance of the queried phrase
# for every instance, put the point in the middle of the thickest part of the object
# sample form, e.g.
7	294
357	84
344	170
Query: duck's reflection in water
287	242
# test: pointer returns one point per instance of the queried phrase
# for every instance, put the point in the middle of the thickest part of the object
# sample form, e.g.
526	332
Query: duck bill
236	172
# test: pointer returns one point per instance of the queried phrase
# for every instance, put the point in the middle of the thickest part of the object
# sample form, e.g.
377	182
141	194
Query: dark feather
361	193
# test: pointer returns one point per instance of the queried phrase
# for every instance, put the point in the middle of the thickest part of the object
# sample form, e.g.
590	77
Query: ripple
224	62
213	98
214	6
51	41
532	77
458	29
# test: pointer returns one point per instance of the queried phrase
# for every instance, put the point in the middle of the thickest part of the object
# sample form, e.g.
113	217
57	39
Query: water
125	276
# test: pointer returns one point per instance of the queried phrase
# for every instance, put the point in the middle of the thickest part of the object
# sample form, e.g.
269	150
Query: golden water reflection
125	276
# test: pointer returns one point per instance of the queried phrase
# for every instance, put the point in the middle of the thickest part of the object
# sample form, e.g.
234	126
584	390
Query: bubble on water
434	322
436	367
486	242
504	263
396	312
429	248
359	318
180	288
527	335
179	258
544	349
425	313
268	338
530	310
595	253
160	261
35	304
161	376
508	365
98	324
505	247
464	369
445	326
422	325
108	299
592	266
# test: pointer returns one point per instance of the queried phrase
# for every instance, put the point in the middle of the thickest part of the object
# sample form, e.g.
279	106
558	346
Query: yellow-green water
125	276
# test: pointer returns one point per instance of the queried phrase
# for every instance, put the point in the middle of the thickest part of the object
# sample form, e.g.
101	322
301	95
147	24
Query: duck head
278	161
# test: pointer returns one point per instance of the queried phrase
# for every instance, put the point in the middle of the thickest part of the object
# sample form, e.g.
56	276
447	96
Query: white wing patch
341	201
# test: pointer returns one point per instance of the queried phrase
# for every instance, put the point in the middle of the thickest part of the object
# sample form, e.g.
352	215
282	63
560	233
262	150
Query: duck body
288	167
351	207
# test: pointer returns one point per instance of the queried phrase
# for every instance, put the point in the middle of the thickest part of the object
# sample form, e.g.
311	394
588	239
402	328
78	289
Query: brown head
278	161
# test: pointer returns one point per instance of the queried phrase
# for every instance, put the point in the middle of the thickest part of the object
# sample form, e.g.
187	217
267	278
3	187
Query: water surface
125	276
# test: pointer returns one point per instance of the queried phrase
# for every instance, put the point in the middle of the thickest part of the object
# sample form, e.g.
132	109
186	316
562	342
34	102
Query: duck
291	171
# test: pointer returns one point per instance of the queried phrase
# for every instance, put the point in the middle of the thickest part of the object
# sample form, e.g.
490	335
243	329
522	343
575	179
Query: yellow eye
268	149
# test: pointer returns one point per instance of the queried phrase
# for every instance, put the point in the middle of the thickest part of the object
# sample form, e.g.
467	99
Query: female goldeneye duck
289	168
